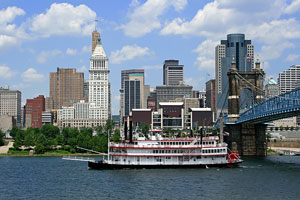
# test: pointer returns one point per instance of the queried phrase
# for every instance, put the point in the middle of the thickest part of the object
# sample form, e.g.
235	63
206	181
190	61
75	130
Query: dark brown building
34	109
201	117
211	94
66	87
141	116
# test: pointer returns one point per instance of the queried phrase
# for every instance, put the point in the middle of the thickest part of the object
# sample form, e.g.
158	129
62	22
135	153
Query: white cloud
6	41
128	53
31	75
21	86
153	67
83	68
224	16
145	18
134	3
261	23
45	55
64	19
9	14
86	49
206	55
273	51
292	57
293	7
70	51
197	83
6	72
9	32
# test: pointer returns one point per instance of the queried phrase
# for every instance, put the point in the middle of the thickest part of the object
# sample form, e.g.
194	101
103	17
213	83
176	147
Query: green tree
65	135
287	128
39	149
145	130
1	138
99	130
13	132
116	136
29	140
109	125
50	131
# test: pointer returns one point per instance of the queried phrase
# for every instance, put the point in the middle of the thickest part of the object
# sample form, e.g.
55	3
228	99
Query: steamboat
167	152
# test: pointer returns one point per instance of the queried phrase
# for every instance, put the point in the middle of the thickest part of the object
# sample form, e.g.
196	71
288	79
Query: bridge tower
247	139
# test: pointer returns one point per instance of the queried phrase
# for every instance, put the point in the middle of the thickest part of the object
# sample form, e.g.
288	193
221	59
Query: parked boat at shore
168	152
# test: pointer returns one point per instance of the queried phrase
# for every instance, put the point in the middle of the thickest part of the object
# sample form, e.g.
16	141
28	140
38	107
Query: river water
273	177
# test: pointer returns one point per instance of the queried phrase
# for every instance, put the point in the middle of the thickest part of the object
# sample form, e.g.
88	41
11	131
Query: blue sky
36	37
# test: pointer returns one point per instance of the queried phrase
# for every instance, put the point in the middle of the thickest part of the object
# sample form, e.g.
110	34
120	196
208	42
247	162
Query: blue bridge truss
279	107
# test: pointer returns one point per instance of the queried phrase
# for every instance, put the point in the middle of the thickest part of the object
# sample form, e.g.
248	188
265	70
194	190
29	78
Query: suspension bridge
248	125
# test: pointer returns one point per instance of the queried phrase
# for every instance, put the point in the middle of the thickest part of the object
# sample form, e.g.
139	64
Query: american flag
249	58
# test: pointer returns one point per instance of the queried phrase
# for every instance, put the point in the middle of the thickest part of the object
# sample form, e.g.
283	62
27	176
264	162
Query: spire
257	63
96	22
233	64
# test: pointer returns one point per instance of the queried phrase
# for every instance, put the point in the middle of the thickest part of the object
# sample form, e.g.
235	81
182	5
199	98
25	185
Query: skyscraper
10	103
99	86
243	53
172	72
66	87
132	94
86	90
210	94
288	78
34	110
126	75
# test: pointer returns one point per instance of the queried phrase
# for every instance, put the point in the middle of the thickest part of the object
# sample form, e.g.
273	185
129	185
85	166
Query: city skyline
139	35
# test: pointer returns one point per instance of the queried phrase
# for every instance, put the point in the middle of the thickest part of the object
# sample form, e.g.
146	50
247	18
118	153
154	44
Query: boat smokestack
125	129
130	132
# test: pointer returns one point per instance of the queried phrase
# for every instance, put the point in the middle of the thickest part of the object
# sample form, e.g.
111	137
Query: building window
232	44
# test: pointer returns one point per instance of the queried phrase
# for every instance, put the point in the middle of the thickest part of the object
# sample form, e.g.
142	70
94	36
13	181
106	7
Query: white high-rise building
288	79
10	103
220	53
99	86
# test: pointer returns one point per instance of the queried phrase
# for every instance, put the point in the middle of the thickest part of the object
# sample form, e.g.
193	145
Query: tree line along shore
50	140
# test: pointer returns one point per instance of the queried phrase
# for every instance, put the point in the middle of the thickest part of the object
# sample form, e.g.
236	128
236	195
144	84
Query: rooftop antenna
96	22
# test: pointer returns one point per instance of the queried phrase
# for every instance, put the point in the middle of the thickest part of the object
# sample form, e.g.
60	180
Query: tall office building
132	94
86	90
126	76
288	79
10	103
66	87
99	86
34	110
95	38
210	94
243	53
172	72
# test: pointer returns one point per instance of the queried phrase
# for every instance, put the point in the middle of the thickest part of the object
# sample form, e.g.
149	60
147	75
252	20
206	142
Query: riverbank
46	154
